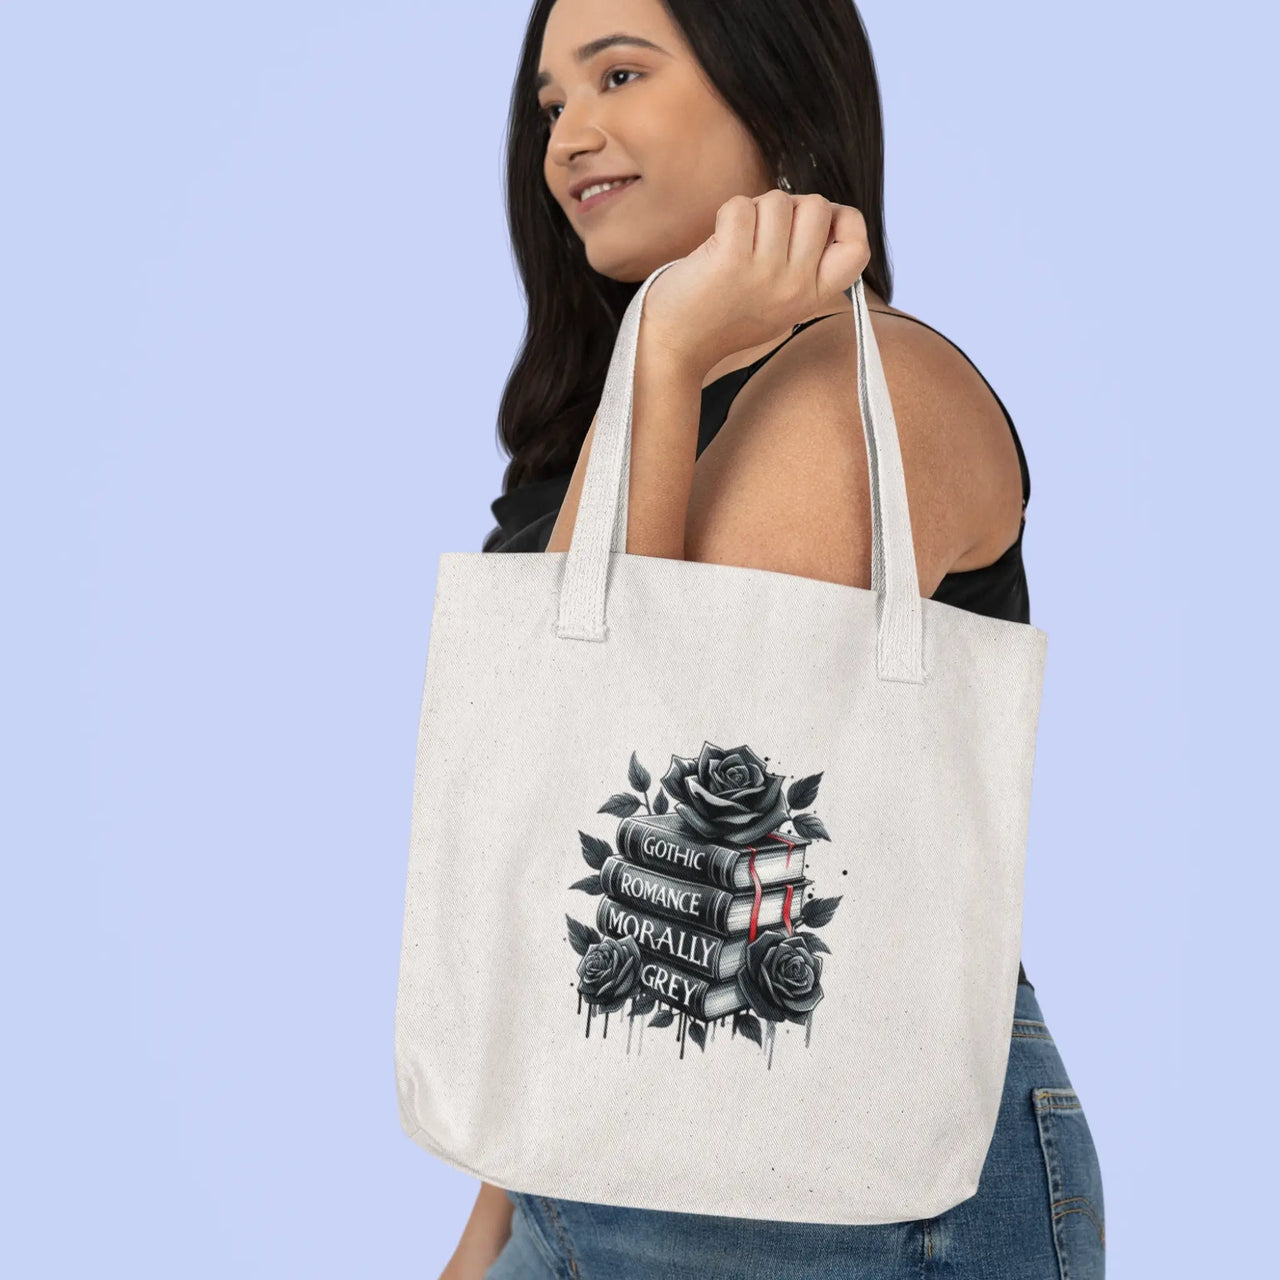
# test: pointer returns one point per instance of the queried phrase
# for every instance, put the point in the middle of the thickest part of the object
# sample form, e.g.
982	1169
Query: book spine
672	984
700	952
665	895
663	850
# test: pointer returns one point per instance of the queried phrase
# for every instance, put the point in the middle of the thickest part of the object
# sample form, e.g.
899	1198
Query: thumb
847	252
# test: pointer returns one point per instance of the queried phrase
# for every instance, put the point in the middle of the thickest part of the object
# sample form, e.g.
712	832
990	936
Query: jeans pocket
1075	1183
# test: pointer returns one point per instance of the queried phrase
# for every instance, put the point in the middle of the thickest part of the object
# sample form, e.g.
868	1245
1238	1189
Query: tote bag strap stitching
599	532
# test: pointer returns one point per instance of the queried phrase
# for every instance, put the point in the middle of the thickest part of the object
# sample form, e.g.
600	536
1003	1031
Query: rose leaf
815	942
663	1018
638	775
660	802
746	1024
698	1034
802	793
581	936
588	884
594	850
818	911
810	826
620	805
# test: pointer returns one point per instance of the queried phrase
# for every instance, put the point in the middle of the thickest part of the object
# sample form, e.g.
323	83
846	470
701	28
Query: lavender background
257	307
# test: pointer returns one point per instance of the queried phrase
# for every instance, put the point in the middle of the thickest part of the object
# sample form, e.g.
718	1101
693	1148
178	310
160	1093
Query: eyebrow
584	53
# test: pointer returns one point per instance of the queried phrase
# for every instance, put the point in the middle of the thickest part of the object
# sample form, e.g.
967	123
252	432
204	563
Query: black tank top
998	589
527	515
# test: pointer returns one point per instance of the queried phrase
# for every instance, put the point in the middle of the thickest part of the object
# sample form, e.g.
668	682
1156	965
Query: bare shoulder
783	485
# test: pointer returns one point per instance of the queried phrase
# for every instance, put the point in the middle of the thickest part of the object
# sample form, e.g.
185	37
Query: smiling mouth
604	195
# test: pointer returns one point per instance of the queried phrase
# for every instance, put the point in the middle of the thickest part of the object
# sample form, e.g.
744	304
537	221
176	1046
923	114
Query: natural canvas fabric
715	874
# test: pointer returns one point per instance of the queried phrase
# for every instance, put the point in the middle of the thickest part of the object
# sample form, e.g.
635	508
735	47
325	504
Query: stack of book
694	906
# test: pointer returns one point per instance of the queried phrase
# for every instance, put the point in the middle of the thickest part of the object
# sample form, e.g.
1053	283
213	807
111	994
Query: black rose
780	976
609	972
726	795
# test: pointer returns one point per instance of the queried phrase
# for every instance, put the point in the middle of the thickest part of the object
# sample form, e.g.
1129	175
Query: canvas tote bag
714	892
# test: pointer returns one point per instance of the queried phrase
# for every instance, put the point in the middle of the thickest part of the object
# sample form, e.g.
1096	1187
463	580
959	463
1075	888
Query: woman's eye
545	113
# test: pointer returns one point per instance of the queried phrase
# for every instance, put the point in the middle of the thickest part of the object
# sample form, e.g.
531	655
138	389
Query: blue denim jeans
1037	1214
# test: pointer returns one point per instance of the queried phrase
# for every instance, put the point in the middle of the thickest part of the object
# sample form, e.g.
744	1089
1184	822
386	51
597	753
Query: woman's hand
772	261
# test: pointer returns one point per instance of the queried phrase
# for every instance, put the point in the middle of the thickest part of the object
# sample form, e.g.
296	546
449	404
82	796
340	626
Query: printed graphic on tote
702	914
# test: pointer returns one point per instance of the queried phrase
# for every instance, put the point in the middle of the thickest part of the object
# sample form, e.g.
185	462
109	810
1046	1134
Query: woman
760	123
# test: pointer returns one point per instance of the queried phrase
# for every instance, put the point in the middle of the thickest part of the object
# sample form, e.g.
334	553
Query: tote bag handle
600	528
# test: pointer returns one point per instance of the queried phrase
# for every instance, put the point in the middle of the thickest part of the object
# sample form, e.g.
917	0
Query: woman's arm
784	486
666	407
793	448
484	1235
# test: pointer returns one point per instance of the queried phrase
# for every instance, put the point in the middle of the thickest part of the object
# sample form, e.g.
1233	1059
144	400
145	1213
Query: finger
735	228
774	213
847	252
810	233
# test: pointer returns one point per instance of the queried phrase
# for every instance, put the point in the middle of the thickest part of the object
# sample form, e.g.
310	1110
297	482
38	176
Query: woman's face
644	110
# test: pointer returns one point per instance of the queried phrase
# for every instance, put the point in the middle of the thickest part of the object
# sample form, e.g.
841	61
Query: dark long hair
801	78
